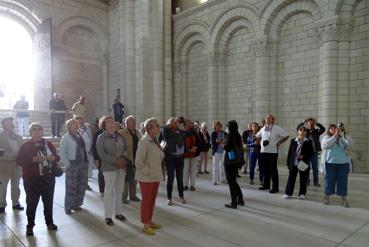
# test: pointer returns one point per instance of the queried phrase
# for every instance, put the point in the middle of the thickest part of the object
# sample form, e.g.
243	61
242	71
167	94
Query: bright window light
203	1
16	64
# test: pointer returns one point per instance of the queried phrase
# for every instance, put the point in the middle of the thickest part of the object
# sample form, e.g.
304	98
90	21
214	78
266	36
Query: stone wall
295	59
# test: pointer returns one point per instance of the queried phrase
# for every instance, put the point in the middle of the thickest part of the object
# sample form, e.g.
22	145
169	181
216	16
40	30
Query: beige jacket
129	141
9	156
148	161
79	109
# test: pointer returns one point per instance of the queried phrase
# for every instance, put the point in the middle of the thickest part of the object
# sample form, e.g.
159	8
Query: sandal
52	227
149	231
109	221
155	226
121	217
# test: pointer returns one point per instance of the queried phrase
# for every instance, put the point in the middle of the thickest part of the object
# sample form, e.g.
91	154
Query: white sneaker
302	197
286	197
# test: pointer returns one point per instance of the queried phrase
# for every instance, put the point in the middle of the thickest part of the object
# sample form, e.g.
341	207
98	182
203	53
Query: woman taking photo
300	150
112	151
253	144
233	160
205	146
217	145
335	162
37	158
73	153
149	172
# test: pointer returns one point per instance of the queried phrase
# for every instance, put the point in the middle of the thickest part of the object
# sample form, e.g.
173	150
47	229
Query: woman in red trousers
149	173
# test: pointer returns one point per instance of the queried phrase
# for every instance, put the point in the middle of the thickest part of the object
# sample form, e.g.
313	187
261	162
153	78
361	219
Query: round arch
65	25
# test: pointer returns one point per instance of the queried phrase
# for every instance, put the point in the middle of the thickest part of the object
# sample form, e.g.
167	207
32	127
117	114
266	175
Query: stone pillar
178	84
105	86
262	85
329	35
157	32
168	85
128	79
221	62
344	57
212	88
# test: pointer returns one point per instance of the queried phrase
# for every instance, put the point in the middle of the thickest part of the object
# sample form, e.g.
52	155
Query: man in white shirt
271	136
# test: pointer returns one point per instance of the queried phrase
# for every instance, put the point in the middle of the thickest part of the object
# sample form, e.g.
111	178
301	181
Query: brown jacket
129	142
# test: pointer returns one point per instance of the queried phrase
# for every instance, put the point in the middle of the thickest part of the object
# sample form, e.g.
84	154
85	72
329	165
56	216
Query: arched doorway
16	64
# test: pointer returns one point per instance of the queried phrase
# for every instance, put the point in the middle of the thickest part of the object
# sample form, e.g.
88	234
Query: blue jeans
254	157
314	167
336	176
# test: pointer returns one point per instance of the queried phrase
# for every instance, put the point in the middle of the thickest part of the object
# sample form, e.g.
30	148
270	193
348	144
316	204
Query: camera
341	126
265	143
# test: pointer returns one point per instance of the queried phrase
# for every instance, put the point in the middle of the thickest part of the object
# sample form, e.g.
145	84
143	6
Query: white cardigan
68	148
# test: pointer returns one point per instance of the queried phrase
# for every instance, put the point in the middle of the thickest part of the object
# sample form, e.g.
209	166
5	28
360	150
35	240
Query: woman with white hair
73	153
149	174
112	150
204	148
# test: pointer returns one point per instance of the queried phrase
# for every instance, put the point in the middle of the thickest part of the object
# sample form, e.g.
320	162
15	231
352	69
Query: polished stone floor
266	220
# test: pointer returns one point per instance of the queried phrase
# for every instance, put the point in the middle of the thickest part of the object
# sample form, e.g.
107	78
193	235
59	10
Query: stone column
168	85
178	84
157	32
262	85
221	62
212	88
328	35
344	57
105	86
128	79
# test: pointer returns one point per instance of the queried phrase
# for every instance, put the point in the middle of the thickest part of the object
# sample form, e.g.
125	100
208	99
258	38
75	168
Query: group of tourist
178	150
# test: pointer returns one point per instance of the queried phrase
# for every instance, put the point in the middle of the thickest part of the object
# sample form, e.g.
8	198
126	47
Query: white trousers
12	172
114	185
23	126
190	170
218	168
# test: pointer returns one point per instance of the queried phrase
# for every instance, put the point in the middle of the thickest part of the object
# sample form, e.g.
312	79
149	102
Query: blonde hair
128	118
69	123
149	123
170	120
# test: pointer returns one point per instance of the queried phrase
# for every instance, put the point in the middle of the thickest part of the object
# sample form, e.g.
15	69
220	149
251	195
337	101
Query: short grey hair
203	125
69	123
170	120
34	125
149	123
129	118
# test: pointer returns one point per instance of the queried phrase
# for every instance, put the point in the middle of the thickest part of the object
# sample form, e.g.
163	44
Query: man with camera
271	137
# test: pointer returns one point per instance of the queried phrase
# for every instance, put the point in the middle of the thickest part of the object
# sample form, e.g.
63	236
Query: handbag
56	171
302	166
234	157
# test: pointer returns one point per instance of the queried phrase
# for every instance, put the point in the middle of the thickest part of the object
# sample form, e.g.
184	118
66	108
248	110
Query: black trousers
173	165
231	172
101	180
36	187
57	120
269	161
304	175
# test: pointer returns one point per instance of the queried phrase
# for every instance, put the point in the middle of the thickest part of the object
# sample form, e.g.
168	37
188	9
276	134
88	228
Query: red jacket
26	153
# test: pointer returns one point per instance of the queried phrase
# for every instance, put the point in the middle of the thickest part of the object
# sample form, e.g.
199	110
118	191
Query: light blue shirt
336	149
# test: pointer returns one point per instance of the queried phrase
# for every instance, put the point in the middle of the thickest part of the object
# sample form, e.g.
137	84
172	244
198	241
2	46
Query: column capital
334	30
